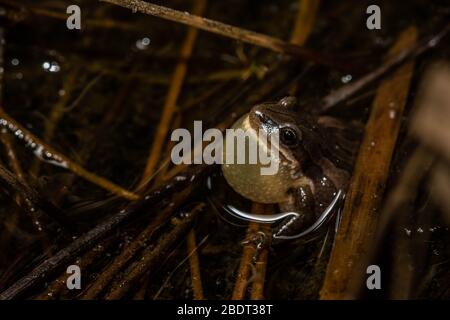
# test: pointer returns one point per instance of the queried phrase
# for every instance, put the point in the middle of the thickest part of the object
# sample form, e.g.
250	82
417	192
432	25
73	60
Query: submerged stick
57	287
131	249
360	214
56	115
48	267
35	201
151	256
268	42
11	155
50	155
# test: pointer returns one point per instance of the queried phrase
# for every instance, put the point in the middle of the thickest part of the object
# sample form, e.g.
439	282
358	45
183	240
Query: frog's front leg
301	201
324	216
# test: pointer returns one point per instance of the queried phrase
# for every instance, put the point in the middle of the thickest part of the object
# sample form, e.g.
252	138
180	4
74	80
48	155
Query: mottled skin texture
317	153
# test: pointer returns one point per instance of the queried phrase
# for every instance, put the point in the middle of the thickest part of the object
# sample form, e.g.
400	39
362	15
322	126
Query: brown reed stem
257	291
223	29
360	214
306	17
248	253
58	286
172	97
48	267
55	116
132	249
95	23
152	256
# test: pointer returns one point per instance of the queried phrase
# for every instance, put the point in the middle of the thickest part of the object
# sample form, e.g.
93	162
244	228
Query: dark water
96	96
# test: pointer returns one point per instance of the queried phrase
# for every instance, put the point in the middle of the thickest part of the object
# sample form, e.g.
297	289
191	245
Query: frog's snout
262	118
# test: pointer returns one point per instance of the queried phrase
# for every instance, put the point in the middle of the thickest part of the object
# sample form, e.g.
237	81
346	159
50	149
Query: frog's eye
288	136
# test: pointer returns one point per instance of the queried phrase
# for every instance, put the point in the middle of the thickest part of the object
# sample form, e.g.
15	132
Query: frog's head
272	119
280	118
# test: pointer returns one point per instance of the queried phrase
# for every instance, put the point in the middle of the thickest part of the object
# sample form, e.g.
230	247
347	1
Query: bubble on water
15	62
143	43
52	66
347	78
433	42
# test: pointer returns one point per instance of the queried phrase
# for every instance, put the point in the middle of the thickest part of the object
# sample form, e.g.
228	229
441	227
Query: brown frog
316	155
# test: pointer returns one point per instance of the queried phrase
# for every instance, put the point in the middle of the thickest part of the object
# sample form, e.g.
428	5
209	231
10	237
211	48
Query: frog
315	158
